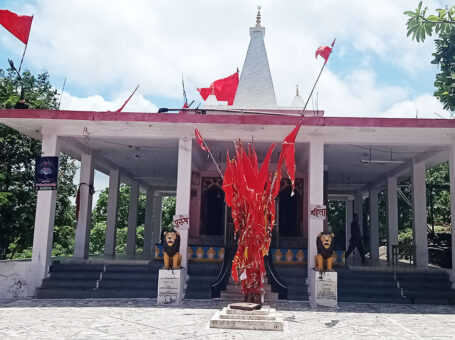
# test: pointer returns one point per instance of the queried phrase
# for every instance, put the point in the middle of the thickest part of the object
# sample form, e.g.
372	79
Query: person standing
356	240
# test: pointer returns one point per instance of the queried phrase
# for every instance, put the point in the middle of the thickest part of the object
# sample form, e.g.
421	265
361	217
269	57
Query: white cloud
425	106
97	103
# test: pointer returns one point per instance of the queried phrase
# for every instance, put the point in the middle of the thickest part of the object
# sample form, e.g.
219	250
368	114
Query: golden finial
297	90
258	17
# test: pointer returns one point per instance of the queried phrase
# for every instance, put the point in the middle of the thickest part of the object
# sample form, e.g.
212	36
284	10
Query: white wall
16	279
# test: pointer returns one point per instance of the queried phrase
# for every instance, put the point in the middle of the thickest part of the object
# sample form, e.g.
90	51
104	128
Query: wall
16	279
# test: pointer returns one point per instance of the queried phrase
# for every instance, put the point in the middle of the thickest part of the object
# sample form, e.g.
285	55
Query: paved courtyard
142	319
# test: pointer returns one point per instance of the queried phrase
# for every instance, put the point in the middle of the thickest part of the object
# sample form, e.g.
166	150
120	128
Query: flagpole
23	54
213	159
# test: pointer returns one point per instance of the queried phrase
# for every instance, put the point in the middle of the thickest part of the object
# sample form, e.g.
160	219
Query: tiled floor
142	319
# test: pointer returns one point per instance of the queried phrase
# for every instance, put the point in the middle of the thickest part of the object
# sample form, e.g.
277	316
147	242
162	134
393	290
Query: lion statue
171	246
325	245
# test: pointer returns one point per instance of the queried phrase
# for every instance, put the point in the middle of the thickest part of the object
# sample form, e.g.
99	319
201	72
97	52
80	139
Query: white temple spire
255	90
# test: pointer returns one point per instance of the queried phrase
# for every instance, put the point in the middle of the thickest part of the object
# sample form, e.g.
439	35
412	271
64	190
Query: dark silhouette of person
356	240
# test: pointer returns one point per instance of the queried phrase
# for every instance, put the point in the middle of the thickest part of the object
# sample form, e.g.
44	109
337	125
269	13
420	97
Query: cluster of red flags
224	89
250	190
17	25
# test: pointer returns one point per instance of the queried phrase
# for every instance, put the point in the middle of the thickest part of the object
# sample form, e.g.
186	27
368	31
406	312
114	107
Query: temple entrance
212	207
290	215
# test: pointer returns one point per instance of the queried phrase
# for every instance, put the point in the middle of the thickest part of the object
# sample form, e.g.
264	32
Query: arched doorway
212	207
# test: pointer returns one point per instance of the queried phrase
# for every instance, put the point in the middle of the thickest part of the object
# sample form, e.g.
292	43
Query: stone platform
264	319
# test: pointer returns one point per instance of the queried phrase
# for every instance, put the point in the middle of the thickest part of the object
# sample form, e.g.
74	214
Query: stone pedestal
264	319
171	286
325	288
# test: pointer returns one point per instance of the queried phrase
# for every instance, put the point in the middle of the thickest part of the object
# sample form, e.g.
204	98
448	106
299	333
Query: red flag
132	94
325	51
225	89
199	140
288	154
18	25
228	182
185	106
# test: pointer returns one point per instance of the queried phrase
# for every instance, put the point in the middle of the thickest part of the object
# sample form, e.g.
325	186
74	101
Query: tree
17	155
421	25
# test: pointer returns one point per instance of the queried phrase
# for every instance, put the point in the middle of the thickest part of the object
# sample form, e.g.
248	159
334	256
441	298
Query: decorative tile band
197	253
289	256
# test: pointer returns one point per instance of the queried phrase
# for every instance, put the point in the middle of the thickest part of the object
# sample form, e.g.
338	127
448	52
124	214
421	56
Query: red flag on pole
17	25
288	154
199	140
324	51
132	94
225	89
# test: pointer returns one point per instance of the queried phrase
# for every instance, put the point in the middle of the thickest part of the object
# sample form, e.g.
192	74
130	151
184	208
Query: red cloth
324	51
199	140
18	25
225	89
288	154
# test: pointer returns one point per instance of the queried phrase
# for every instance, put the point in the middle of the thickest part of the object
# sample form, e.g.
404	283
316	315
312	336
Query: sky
105	49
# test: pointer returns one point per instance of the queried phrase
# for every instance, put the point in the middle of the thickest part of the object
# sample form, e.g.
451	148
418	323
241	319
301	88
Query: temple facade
347	159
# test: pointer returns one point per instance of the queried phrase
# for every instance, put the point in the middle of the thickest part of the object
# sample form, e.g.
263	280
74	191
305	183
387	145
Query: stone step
373	292
238	296
368	284
51	283
377	299
204	269
238	288
76	267
72	293
129	276
264	322
128	284
130	268
70	275
425	276
432	285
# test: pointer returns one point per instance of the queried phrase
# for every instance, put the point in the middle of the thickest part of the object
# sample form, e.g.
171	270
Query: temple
337	159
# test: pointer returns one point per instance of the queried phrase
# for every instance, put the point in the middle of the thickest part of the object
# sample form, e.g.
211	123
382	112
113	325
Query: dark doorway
290	209
212	207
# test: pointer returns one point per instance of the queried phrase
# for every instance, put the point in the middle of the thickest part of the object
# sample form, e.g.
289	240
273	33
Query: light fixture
381	161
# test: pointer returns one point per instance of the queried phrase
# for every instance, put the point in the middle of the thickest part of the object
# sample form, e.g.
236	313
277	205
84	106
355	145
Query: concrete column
183	191
157	211
81	246
349	215
148	224
392	215
44	217
132	219
419	213
315	196
374	227
112	211
452	207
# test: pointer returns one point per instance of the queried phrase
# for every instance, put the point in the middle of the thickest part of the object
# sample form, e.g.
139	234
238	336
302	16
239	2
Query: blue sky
106	48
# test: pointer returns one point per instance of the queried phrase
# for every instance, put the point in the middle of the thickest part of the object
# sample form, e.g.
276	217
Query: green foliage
17	159
444	57
337	222
97	238
421	25
167	213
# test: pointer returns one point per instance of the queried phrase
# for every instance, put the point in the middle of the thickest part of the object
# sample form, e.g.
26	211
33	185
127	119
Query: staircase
79	281
200	276
394	287
233	292
295	278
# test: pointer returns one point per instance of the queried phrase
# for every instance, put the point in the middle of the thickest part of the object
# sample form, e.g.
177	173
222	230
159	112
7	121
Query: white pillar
392	215
452	207
81	246
419	213
156	224
148	223
183	191
44	217
112	207
315	197
374	227
349	213
132	219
